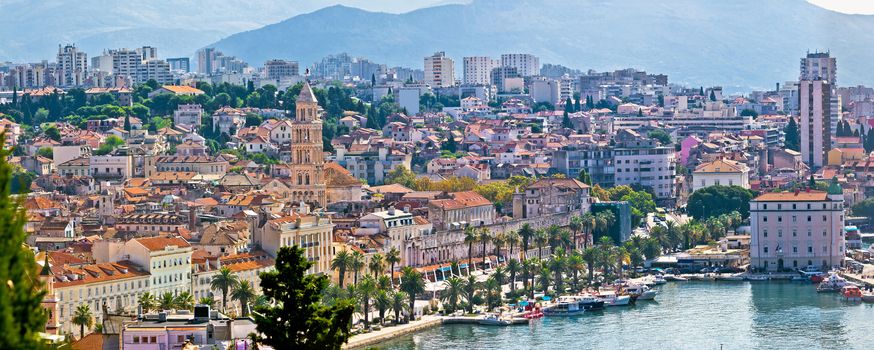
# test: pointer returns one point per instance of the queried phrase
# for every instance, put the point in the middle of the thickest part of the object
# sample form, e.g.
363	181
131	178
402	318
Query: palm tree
167	301
356	264
453	292
393	257
376	265
340	263
147	302
366	290
498	240
553	233
245	294
513	267
207	301
332	294
500	275
383	282
470	237
575	225
565	240
413	284
576	264
382	302
492	289
484	237
545	278
398	304
512	239
621	255
540	238
224	281
470	288
557	266
184	301
590	256
605	221
527	268
82	317
454	268
526	232
588	223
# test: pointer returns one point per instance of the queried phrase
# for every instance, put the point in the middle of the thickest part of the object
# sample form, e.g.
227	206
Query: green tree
382	302
399	304
713	201
356	263
53	133
244	293
566	121
470	237
298	320
45	152
365	292
662	136
492	289
83	317
340	263
471	286
792	138
584	177
453	292
865	208
184	301
393	257
450	144
376	265
224	281
210	301
21	315
526	232
167	301
401	175
412	283
148	302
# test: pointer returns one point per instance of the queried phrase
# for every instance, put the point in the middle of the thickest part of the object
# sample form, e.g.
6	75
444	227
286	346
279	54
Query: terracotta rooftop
801	196
159	243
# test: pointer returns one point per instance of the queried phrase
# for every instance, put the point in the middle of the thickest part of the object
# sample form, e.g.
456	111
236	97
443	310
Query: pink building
686	147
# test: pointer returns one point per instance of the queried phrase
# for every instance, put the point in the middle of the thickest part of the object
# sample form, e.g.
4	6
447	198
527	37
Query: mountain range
740	44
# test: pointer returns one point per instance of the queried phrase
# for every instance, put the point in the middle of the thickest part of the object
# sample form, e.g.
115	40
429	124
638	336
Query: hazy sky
865	7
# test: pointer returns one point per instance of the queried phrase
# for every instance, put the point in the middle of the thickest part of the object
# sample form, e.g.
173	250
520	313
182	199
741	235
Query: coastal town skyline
327	177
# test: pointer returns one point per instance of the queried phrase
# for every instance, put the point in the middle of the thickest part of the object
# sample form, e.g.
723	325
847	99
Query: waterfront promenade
388	333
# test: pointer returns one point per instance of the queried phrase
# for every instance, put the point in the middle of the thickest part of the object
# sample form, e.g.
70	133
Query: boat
730	278
868	296
659	280
801	279
494	320
641	292
612	299
833	283
757	278
817	278
532	313
675	278
564	306
851	293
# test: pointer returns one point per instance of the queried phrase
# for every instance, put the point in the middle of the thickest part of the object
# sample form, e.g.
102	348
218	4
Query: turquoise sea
685	315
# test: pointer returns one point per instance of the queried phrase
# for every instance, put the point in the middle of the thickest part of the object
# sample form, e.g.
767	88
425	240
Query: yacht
613	299
641	292
494	320
564	306
590	303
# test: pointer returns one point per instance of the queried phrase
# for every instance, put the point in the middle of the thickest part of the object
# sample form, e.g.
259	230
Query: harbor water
686	315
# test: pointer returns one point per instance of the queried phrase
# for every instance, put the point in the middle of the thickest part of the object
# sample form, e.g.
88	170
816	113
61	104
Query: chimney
391	210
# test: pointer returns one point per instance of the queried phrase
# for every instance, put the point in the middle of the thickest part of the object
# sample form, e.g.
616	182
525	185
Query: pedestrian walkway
362	340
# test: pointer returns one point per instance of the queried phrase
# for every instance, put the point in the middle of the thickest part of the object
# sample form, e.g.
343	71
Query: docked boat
867	296
757	278
801	279
851	293
675	278
494	320
730	278
659	280
564	306
641	292
590	303
833	283
612	299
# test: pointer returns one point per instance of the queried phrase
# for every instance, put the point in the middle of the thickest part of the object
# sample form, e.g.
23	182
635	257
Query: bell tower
307	155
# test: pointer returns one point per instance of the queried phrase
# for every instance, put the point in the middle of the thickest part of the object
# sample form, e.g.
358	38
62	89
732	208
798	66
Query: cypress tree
21	315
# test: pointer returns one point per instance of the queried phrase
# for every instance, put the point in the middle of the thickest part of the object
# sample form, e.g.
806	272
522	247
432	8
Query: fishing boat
833	283
851	293
613	299
494	320
564	306
641	292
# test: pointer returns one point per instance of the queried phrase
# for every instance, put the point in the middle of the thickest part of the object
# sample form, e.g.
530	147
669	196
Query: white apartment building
156	69
188	115
640	160
404	232
721	172
797	229
111	167
278	69
313	233
545	90
167	260
478	70
439	70
72	66
527	65
819	66
815	116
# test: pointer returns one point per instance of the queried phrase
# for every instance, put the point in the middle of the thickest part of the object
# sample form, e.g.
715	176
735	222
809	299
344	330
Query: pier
385	334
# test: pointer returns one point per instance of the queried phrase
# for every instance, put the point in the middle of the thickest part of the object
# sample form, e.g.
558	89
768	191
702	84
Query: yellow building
838	156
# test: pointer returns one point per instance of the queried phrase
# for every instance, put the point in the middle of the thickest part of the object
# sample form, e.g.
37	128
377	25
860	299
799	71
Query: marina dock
385	334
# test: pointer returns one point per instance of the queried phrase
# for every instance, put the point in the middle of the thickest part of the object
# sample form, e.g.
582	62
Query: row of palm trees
673	237
377	291
344	261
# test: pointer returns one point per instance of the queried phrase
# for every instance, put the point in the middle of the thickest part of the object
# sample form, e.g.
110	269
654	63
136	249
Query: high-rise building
278	69
815	114
148	52
156	69
307	155
180	64
526	64
206	60
125	62
365	69
72	66
478	70
102	63
439	70
819	66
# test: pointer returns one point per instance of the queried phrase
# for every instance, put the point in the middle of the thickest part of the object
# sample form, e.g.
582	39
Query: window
810	249
824	218
795	249
136	339
780	233
765	249
765	233
764	218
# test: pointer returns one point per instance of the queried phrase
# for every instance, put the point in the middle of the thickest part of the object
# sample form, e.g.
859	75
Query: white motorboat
659	279
730	278
612	299
675	278
564	306
757	278
641	292
833	283
494	320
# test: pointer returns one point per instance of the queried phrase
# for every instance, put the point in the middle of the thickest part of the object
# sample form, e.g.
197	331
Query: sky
862	7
